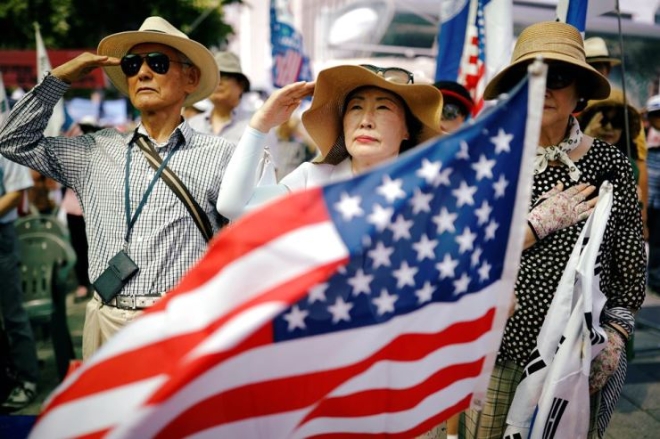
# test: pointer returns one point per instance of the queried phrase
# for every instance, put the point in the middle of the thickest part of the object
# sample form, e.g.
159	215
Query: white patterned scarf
545	154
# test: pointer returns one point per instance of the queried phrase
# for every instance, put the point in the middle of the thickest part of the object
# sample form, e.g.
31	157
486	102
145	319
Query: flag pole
623	82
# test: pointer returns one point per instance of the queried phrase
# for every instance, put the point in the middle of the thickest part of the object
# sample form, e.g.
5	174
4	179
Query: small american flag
472	72
474	43
371	307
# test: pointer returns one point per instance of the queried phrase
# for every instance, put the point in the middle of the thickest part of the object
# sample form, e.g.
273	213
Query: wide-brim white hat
160	31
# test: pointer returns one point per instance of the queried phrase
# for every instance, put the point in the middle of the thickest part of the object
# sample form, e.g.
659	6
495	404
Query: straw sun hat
554	41
160	31
324	119
614	100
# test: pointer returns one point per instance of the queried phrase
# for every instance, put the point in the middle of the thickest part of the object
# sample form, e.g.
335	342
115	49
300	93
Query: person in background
45	196
606	120
196	108
652	110
224	119
598	56
360	116
457	105
136	225
568	169
14	179
294	146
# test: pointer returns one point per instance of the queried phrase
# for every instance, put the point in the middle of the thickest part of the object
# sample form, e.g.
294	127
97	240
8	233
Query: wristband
536	235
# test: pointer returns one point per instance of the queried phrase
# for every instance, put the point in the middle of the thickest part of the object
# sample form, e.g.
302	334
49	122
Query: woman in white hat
569	167
360	116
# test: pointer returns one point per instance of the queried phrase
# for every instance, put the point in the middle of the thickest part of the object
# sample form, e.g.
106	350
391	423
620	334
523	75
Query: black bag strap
180	190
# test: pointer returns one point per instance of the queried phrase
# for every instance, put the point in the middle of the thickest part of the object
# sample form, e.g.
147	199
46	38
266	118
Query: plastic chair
41	223
46	262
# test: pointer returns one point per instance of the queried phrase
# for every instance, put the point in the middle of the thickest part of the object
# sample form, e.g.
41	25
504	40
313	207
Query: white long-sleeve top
239	191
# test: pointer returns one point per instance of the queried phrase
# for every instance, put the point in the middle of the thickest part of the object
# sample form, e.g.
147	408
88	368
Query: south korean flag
552	400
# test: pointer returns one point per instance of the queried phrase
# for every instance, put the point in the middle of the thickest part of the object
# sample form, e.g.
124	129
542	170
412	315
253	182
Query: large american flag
370	307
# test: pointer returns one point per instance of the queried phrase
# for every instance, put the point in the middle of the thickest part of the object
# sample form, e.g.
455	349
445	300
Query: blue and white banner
573	12
290	64
451	38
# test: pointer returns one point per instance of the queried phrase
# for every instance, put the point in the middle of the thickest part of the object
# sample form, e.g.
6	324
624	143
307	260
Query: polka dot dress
622	256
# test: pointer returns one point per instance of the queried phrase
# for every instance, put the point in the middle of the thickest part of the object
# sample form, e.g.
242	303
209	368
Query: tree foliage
75	24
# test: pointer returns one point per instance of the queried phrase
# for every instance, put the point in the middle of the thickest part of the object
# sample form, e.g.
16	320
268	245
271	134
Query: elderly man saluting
148	195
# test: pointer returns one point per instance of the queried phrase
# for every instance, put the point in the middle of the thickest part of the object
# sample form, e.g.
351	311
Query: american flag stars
432	237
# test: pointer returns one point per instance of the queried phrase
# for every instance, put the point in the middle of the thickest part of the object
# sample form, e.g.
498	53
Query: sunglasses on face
613	117
451	112
392	74
559	77
157	62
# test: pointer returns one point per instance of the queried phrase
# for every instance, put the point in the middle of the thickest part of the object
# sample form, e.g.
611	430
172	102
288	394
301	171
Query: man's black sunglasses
559	76
158	62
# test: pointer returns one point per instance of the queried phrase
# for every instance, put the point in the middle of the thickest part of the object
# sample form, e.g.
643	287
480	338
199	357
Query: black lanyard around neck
130	221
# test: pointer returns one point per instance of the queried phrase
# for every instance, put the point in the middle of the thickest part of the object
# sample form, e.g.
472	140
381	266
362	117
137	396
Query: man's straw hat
324	119
160	31
554	41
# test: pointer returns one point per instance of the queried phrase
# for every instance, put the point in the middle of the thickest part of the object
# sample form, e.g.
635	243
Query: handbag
180	190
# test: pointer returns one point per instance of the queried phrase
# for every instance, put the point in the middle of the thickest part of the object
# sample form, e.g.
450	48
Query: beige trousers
101	323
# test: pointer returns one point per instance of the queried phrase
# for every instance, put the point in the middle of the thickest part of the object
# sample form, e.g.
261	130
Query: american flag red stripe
257	392
240	403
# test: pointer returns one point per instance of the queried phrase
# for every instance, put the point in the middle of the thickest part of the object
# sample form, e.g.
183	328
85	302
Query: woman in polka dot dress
569	167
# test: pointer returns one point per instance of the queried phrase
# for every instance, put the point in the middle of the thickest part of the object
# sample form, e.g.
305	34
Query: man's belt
133	302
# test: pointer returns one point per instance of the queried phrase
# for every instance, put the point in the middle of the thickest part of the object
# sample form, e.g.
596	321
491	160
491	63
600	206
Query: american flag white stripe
429	320
400	374
208	306
77	417
379	425
280	425
246	368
